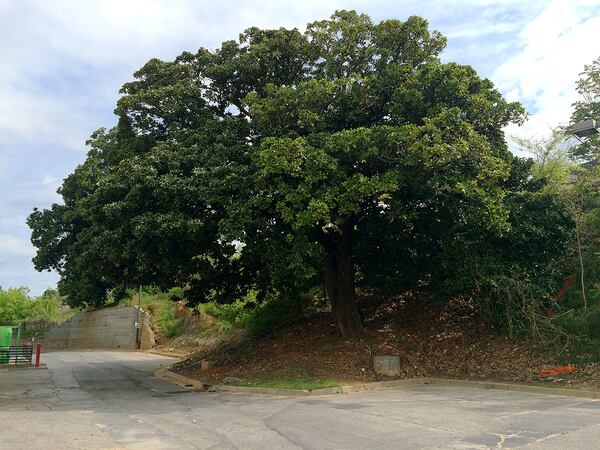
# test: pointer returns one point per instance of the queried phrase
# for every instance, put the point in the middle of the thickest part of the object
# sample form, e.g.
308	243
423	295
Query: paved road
110	400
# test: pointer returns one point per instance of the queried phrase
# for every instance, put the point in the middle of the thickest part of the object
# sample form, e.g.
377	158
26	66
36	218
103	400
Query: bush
275	313
512	305
165	318
581	334
17	306
257	317
232	315
50	307
593	323
574	322
163	309
581	323
14	305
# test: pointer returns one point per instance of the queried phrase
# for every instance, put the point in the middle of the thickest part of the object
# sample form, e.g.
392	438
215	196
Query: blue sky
63	63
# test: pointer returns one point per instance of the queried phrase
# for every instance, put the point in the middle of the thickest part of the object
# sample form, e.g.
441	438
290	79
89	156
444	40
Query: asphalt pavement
110	400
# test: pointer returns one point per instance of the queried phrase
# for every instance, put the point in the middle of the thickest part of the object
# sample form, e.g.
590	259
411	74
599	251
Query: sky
63	62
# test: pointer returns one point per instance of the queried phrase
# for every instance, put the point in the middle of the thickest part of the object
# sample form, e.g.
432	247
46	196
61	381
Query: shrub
14	305
50	307
573	322
162	306
166	320
257	317
232	315
276	312
593	323
17	306
512	305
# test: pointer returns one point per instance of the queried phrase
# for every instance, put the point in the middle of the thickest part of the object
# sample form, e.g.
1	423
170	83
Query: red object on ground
38	351
566	284
557	370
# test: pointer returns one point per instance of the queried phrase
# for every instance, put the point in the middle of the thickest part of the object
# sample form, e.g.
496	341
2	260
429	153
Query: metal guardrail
16	355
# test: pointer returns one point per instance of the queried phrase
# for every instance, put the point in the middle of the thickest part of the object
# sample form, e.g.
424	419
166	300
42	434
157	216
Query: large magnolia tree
321	154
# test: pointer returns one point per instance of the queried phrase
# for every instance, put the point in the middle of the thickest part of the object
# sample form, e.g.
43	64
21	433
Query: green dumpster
5	342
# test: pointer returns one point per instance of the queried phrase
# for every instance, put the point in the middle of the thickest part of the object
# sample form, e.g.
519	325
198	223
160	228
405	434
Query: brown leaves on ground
446	340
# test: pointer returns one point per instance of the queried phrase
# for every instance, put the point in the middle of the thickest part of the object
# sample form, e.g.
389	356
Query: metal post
38	351
138	334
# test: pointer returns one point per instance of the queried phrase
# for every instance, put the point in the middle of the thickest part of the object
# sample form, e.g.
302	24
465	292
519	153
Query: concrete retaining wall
108	328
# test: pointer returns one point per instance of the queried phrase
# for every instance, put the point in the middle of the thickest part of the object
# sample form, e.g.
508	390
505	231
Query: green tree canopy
325	153
16	305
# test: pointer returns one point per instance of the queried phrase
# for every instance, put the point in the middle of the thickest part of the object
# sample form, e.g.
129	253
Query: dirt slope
433	340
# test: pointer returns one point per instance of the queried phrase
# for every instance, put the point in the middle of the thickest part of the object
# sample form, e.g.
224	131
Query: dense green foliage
348	155
257	317
569	316
162	307
582	199
16	306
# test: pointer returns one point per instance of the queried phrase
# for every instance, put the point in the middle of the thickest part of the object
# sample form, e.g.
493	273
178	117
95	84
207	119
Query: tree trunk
339	285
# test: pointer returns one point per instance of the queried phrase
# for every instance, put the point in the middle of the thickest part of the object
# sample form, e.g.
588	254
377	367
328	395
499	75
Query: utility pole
138	327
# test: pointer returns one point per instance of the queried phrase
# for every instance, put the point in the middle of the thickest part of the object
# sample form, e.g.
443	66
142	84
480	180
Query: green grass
298	383
162	306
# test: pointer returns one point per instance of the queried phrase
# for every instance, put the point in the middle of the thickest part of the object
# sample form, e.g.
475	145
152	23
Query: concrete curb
510	387
161	353
189	383
412	382
395	384
346	389
197	385
229	389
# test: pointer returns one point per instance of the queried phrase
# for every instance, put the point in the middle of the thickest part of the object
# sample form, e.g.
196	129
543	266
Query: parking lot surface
110	400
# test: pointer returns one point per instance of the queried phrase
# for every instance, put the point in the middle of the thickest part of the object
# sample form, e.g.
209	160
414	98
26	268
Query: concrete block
231	380
387	365
396	384
353	388
327	391
206	364
261	390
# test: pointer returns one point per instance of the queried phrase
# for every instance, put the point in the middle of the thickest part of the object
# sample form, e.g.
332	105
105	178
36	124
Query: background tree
582	195
588	107
16	305
552	156
582	199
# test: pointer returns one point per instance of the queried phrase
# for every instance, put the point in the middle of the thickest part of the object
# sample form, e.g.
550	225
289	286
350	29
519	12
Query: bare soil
446	340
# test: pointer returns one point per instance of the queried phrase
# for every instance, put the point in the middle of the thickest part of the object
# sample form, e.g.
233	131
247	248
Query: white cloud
483	28
63	59
12	221
542	74
40	118
14	246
